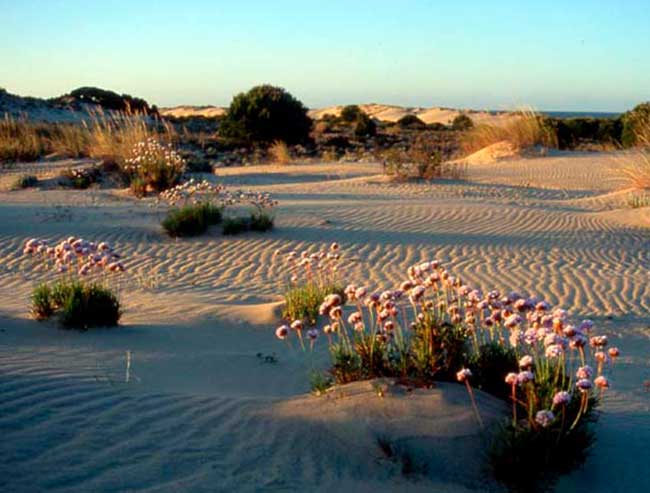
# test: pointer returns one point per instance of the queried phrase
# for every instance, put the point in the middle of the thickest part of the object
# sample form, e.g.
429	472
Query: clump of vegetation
351	113
636	168
421	160
636	126
24	181
235	225
462	123
156	166
411	122
191	219
80	178
265	114
313	276
524	130
573	133
433	327
365	126
20	141
81	298
279	152
196	205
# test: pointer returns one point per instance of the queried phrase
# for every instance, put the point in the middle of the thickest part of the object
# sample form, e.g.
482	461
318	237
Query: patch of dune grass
525	129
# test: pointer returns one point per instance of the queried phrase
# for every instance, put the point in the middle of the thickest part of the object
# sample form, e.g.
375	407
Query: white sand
203	413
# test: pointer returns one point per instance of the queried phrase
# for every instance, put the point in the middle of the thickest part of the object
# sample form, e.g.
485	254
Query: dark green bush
571	132
266	114
462	122
235	225
437	126
260	221
351	113
198	165
411	121
488	367
79	305
527	459
192	219
25	181
365	126
635	123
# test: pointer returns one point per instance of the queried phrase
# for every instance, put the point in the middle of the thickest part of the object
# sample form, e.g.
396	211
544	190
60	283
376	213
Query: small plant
319	382
411	121
260	221
421	160
80	178
636	169
313	276
279	153
351	113
235	225
638	201
365	126
191	219
81	298
24	181
462	123
156	166
524	130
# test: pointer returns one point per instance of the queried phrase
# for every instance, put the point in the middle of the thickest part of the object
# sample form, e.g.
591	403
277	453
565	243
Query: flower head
561	398
463	375
544	418
282	332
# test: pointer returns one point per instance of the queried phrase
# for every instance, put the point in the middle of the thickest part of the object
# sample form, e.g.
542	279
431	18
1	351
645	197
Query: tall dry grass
636	168
526	129
279	153
108	136
114	135
20	140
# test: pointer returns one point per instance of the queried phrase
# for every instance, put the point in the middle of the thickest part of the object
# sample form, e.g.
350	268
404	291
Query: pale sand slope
203	413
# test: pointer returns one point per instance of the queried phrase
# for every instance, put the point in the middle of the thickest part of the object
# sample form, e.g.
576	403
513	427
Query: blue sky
563	55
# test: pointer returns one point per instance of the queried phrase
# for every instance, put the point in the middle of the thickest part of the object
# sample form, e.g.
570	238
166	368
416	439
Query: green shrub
25	181
266	114
571	132
527	459
411	121
365	126
351	113
235	225
80	178
79	305
260	221
636	123
191	220
462	122
488	367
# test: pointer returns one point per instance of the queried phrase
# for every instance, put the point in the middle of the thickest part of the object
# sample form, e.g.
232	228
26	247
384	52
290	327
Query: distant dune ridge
382	112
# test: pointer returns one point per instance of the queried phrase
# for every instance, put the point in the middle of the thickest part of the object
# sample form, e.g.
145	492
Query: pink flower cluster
151	152
75	255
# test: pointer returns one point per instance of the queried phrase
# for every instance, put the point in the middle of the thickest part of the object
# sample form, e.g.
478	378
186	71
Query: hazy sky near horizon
553	54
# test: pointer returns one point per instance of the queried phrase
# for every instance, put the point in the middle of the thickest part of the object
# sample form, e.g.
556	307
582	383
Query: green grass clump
260	221
79	305
489	365
527	459
235	225
25	181
191	220
303	301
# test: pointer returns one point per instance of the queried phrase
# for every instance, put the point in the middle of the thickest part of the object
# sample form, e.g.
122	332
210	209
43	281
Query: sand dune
202	412
383	112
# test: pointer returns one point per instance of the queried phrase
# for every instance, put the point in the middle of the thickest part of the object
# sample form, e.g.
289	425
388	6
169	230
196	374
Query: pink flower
312	334
526	362
613	352
602	382
583	384
297	325
524	377
561	398
544	418
511	378
584	372
282	332
354	318
463	375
